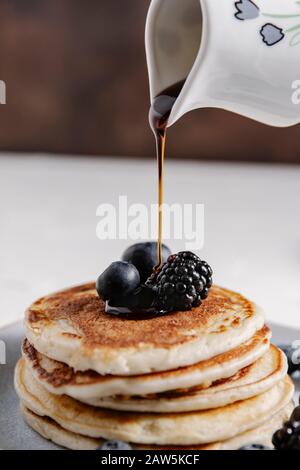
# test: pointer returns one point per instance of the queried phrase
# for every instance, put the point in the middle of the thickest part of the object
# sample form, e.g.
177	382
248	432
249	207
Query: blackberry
182	282
293	357
288	437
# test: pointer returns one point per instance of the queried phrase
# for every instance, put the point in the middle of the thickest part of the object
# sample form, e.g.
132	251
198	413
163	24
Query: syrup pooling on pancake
72	326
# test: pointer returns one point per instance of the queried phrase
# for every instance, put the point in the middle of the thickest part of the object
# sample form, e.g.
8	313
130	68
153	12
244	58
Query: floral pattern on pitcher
270	33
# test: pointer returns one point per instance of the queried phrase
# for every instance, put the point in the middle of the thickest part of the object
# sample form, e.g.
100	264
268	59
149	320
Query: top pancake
71	326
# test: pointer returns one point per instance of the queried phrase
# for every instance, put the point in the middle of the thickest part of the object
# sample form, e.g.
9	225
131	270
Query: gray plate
15	434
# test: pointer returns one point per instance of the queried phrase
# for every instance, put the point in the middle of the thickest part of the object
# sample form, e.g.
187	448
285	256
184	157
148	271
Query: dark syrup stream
159	114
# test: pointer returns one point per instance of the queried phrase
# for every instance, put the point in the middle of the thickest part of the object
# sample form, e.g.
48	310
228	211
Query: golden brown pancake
49	429
71	326
87	386
82	309
249	381
190	428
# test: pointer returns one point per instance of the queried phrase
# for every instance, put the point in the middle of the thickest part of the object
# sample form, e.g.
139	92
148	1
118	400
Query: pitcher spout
241	56
173	36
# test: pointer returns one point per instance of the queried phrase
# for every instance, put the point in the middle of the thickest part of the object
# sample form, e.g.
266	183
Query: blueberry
119	279
115	445
255	447
144	257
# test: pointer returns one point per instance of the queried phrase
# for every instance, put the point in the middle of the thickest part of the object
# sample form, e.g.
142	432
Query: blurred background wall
77	83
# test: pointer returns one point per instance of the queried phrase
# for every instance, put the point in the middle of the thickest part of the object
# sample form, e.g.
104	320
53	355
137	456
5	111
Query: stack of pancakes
201	379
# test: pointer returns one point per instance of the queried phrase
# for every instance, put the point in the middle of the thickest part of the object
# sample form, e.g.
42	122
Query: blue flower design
246	10
271	34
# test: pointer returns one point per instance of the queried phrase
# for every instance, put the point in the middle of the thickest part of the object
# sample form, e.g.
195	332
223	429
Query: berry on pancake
182	282
144	257
120	278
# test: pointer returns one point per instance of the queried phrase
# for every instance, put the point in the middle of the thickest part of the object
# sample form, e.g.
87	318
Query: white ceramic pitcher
242	56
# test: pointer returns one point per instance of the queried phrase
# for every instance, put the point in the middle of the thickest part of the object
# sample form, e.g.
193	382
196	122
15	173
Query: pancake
71	326
248	382
89	386
49	429
191	428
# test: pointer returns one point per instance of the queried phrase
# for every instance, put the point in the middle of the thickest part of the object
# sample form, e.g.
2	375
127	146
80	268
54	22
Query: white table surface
48	224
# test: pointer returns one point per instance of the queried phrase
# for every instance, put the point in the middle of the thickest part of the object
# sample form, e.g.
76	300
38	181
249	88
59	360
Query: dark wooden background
77	83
